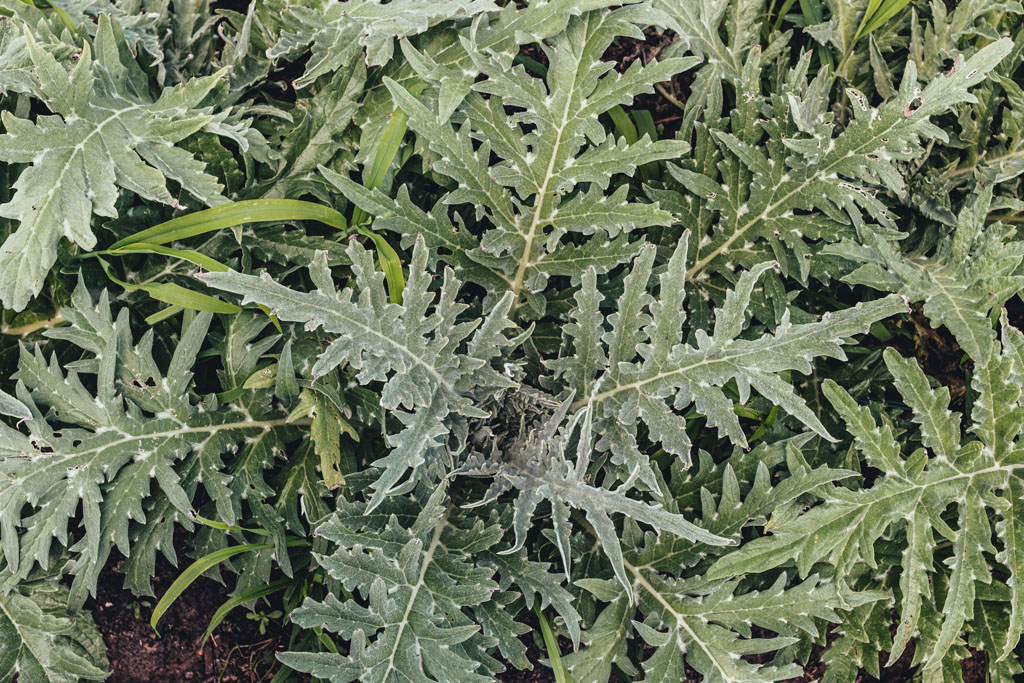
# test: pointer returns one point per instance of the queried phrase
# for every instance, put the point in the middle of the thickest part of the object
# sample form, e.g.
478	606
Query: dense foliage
686	330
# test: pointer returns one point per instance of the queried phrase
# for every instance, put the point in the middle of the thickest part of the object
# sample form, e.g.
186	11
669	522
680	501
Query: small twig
25	330
1005	218
668	96
227	660
258	649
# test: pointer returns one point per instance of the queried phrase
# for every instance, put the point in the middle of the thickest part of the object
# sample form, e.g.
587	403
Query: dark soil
938	354
539	673
236	652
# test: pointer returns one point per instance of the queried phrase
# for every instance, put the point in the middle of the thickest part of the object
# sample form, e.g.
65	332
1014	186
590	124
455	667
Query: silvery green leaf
432	363
782	178
973	474
12	407
549	148
537	467
102	136
108	457
418	583
971	272
646	372
339	31
40	642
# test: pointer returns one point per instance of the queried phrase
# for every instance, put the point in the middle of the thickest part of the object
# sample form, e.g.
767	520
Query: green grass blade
869	12
551	645
61	13
645	124
390	143
238	600
532	65
782	14
190	255
394	133
888	11
811	9
175	295
222	526
762	428
235	213
193	257
325	639
194	571
623	124
163	314
283	674
390	263
230	395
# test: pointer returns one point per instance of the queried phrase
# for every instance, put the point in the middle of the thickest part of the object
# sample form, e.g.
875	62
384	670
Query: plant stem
551	644
663	91
25	330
